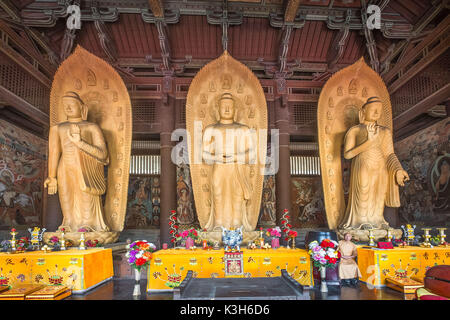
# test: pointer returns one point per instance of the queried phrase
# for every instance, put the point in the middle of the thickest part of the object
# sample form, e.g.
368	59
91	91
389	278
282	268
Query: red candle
205	244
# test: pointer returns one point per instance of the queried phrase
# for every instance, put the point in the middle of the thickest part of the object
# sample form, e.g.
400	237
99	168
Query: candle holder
371	238
13	240
426	238
389	235
62	241
82	242
442	236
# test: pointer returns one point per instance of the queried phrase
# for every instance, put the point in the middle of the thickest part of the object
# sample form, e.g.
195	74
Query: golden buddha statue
86	147
376	172
227	146
353	126
77	155
226	122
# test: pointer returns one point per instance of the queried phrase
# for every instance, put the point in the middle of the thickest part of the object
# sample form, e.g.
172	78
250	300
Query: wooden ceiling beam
404	70
23	106
157	8
291	10
10	36
423	106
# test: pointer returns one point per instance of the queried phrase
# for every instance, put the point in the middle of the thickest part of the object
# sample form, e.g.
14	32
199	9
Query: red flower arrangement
173	226
287	226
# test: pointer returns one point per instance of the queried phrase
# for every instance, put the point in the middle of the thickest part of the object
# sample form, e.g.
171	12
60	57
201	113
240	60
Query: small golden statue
363	126
90	130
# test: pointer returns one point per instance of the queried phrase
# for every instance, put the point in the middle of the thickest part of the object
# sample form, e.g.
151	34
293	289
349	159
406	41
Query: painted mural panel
22	172
185	199
267	213
425	155
307	203
143	208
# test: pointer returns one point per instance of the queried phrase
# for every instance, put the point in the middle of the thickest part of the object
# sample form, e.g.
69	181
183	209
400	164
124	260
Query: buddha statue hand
372	131
74	133
401	176
52	185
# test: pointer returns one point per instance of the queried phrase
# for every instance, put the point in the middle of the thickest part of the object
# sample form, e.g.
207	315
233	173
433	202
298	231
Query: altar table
80	270
378	264
169	267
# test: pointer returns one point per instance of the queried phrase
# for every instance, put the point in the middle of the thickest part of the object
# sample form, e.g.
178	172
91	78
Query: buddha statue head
227	108
74	107
371	110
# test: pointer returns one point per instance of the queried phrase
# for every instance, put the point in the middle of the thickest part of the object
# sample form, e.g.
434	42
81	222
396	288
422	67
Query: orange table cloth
79	270
376	265
169	267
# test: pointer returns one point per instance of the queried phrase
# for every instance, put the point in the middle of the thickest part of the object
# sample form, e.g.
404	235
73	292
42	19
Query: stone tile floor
122	289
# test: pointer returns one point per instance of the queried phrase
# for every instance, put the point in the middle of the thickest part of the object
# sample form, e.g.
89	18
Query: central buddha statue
228	148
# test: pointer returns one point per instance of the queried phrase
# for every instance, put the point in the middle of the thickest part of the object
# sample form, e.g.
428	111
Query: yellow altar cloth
169	267
376	265
79	270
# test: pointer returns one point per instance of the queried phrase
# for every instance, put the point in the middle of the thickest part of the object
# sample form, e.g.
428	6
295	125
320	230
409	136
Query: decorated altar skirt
169	267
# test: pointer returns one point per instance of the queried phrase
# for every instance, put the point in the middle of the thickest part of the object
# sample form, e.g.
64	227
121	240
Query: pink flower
185	233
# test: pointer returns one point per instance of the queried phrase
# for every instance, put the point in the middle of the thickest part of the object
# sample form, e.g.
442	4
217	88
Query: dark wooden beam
157	8
23	121
291	10
10	36
24	63
423	106
24	107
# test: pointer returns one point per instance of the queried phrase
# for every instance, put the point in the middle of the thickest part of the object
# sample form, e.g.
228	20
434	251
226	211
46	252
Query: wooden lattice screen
22	84
303	113
144	112
423	85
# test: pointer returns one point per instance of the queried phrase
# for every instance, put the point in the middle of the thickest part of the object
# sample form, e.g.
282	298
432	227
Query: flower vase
275	243
323	282
137	283
189	243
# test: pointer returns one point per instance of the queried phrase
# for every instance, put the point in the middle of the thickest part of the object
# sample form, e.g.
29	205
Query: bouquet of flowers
93	243
22	244
191	233
325	254
140	254
274	232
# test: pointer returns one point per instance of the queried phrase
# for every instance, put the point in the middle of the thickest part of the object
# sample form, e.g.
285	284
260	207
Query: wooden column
168	169
283	176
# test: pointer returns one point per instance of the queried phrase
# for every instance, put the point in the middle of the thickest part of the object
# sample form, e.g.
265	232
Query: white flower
152	246
313	244
139	255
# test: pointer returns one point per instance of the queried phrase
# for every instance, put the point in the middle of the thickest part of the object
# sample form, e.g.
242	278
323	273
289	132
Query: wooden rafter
291	10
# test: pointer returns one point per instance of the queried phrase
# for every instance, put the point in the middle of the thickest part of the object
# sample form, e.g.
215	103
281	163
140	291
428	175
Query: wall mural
307	203
185	199
426	156
22	170
143	207
267	213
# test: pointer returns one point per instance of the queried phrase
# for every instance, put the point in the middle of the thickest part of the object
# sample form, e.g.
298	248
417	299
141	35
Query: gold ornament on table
389	235
442	237
82	242
90	129
62	241
13	240
371	238
426	237
224	150
363	126
36	237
